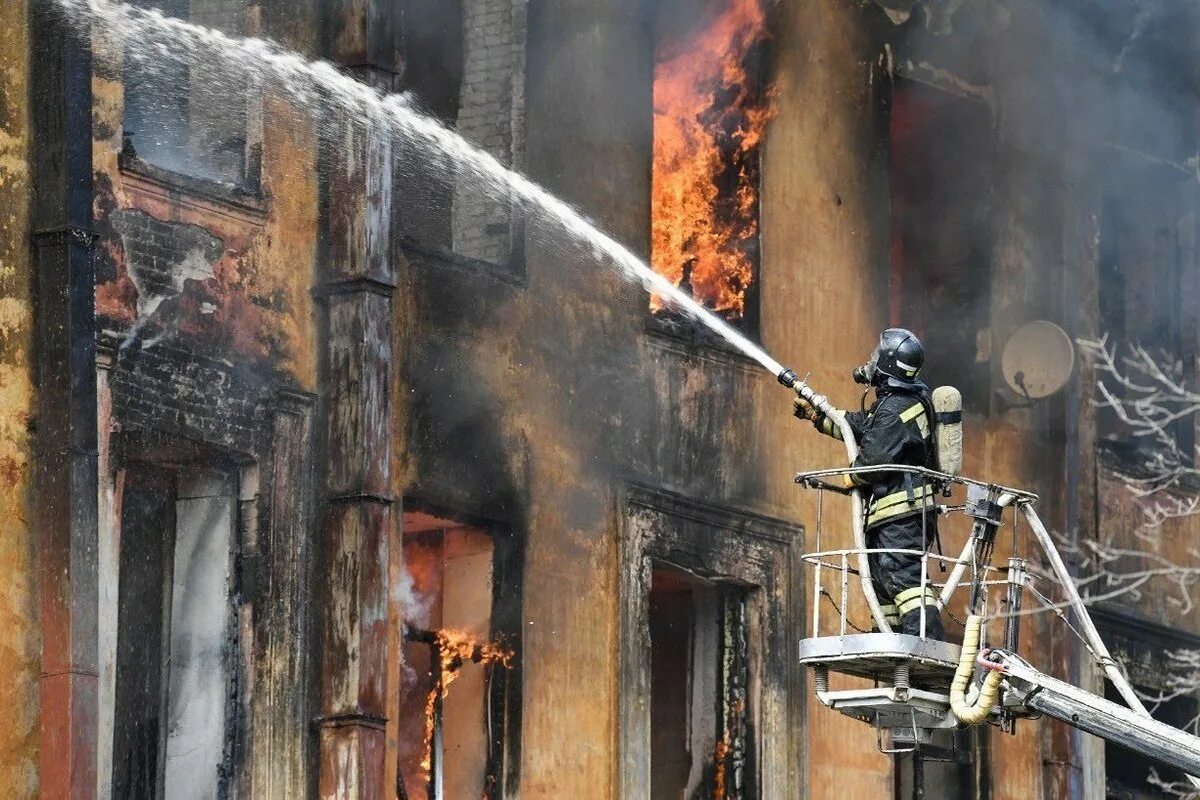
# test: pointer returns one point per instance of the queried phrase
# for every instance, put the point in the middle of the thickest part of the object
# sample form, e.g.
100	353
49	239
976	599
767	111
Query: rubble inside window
701	743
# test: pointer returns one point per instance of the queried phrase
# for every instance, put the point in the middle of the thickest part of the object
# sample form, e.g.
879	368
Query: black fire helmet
899	357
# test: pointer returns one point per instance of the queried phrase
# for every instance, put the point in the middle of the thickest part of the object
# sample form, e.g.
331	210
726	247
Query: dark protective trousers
897	577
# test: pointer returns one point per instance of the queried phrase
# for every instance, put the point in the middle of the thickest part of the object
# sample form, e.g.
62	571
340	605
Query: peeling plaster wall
211	291
252	298
18	632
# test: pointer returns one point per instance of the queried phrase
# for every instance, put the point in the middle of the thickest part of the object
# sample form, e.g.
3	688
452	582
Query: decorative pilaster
356	292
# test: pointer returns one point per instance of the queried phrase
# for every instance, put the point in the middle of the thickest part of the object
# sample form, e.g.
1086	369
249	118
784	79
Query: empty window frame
711	106
176	665
1146	282
941	179
191	113
1132	776
700	732
465	62
452	700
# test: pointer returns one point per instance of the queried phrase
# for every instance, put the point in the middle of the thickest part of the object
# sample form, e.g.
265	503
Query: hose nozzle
788	378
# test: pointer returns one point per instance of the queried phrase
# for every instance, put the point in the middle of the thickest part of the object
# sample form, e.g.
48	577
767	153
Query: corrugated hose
976	712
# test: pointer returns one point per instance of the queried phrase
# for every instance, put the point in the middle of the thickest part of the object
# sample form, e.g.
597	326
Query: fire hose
789	379
973	712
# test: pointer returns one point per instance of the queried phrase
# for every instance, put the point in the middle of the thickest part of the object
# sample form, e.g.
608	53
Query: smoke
414	605
1072	81
1047	141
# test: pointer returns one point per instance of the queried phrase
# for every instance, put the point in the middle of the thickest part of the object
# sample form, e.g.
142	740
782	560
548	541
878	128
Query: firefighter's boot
910	623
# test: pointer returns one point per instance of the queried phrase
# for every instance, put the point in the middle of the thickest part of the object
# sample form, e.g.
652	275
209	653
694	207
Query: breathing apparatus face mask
865	374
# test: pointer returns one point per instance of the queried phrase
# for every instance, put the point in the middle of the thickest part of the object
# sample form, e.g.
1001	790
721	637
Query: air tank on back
947	409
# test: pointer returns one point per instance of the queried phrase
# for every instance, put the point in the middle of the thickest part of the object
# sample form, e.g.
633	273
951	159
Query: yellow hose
981	709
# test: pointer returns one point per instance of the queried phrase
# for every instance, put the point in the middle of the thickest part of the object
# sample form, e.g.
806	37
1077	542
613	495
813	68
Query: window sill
238	199
691	339
509	272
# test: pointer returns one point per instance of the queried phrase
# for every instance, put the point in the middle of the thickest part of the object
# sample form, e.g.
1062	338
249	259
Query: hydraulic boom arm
1095	715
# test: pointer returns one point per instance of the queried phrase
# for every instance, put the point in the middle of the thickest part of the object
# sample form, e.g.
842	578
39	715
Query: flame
709	118
719	756
454	649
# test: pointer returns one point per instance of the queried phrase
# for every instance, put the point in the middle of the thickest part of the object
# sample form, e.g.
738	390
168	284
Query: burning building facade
328	474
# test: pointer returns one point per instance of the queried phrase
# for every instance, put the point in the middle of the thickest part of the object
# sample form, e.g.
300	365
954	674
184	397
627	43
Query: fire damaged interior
332	470
712	101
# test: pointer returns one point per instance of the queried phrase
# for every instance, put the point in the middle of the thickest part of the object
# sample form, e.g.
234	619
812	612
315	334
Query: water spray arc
326	92
322	88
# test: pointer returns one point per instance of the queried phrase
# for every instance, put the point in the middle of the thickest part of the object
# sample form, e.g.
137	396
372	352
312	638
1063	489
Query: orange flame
719	756
456	648
709	118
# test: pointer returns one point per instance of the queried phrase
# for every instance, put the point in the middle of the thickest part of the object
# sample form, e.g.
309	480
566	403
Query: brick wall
176	388
164	378
161	255
491	115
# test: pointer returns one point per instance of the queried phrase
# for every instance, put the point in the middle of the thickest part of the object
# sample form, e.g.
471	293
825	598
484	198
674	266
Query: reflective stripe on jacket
895	430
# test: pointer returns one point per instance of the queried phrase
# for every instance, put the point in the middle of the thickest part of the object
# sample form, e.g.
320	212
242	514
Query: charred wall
508	380
536	399
1077	98
207	364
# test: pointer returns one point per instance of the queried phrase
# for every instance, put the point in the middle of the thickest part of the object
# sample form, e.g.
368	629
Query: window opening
941	177
176	635
465	62
1132	776
453	733
700	732
711	107
1143	297
191	116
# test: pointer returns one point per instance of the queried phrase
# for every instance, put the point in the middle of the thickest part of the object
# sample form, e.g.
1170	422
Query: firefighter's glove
803	409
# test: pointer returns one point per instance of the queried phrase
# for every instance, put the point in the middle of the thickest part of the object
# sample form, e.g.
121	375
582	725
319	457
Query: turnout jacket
894	430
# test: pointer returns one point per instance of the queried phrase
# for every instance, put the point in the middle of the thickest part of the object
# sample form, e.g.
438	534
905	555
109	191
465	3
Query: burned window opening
177	665
701	739
942	178
1147	229
464	60
191	116
1132	776
711	105
746	562
459	655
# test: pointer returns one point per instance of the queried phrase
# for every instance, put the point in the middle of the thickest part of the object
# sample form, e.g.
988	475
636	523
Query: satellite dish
1038	359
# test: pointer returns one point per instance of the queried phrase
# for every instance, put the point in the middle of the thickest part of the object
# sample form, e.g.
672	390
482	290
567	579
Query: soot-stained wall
531	394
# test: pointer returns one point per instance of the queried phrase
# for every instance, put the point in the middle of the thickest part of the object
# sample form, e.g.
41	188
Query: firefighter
897	429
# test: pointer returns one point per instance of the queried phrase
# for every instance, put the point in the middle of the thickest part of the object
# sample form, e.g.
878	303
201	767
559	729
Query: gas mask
865	374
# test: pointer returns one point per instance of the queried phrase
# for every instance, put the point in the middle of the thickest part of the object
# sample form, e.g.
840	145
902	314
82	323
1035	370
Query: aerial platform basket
911	686
905	680
910	695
